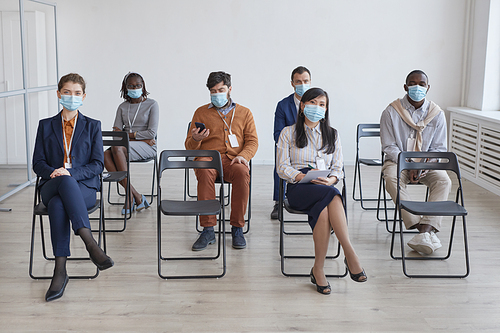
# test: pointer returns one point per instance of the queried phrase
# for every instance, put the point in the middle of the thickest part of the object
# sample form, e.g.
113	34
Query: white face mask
417	93
219	99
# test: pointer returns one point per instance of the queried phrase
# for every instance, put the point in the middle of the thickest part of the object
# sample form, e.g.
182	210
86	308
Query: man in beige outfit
413	123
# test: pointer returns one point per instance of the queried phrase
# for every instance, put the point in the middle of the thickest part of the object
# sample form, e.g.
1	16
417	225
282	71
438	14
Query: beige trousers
437	181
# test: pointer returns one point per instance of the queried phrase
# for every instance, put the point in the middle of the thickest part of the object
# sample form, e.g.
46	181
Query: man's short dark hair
300	70
416	71
216	77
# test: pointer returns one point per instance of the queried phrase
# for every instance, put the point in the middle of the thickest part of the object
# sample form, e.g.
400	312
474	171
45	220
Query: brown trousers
239	177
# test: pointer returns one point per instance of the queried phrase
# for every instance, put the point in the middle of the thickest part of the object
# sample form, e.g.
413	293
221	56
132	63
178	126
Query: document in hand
314	174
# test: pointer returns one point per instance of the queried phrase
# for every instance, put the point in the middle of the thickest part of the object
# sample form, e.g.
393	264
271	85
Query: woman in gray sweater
137	115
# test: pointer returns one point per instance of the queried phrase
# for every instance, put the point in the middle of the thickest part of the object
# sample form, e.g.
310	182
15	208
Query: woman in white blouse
312	144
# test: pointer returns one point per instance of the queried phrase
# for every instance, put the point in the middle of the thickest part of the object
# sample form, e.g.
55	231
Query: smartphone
201	126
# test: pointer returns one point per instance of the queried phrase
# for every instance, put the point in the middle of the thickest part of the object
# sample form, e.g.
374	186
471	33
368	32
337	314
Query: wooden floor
253	296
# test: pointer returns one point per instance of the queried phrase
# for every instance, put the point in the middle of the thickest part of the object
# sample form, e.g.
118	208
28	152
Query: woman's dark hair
124	90
71	77
328	134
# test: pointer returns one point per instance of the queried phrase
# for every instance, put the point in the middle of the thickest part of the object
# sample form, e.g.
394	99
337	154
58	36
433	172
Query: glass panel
12	129
41	44
11	71
42	104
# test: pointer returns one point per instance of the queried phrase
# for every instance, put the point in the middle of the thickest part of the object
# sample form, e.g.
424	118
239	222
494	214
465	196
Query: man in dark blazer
286	115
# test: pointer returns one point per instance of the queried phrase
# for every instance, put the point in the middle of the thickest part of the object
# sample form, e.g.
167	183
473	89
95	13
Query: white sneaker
422	243
435	240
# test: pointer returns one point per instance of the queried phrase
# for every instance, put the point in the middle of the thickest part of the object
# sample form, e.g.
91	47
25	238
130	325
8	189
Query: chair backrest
185	160
444	161
118	138
367	130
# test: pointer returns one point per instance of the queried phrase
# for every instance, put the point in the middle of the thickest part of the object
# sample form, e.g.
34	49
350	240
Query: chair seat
290	209
370	161
40	209
115	176
190	208
434	208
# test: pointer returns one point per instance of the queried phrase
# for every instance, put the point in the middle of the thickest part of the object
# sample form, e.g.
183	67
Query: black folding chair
384	200
153	182
184	159
114	139
283	204
366	131
443	161
227	196
40	210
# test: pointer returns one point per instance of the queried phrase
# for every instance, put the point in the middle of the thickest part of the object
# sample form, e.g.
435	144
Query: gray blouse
146	118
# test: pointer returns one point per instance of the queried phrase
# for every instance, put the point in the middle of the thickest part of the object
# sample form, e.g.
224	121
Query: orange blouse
68	127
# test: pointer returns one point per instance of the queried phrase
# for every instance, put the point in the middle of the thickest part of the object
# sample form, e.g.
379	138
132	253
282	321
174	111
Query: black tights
60	266
94	250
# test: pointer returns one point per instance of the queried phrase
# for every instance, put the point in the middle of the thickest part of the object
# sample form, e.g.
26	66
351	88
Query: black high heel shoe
51	295
103	265
320	289
356	277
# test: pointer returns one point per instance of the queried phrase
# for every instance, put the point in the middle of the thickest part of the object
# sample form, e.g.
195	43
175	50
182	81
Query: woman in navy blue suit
68	157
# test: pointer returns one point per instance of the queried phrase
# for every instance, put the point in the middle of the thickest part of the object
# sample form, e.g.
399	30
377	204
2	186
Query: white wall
358	51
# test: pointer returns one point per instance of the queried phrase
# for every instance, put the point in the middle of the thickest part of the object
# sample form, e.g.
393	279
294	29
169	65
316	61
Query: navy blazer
285	115
87	155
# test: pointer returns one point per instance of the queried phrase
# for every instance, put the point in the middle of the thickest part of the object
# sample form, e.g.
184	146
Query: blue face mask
71	102
134	93
302	88
417	93
314	112
219	99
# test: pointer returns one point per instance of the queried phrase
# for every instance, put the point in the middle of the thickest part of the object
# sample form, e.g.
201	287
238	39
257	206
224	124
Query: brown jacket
243	127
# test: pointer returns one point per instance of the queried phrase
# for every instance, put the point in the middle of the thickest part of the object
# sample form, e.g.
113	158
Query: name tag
233	141
320	163
410	144
68	165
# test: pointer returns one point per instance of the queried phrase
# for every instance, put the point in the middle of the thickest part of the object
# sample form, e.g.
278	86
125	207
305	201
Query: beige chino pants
437	181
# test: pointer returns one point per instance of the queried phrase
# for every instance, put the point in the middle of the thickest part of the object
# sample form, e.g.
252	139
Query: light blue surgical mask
219	99
134	93
417	93
302	88
314	112
71	102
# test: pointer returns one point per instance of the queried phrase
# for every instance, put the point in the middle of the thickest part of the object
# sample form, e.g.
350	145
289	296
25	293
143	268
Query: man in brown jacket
229	129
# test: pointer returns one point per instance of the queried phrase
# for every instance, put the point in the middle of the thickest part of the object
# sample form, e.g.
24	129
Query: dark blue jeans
66	200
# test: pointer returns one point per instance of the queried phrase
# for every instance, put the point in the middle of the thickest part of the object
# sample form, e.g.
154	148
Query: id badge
68	165
410	144
233	141
320	163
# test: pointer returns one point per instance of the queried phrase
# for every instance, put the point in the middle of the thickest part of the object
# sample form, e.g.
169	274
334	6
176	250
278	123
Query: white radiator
475	139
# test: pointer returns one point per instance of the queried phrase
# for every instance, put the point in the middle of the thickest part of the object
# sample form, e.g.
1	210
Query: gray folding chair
40	210
284	205
443	161
184	159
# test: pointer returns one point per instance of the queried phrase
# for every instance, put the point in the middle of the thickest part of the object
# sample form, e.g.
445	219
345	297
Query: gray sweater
146	122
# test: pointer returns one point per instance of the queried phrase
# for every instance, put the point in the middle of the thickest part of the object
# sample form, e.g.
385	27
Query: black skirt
310	198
